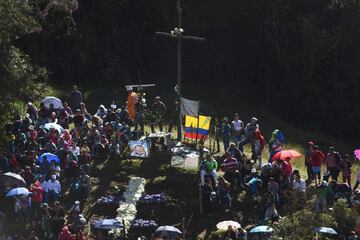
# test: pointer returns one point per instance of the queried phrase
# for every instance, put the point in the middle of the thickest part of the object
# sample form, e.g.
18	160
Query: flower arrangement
126	212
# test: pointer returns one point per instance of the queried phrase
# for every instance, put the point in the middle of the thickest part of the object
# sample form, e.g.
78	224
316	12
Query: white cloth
44	186
75	150
189	107
54	186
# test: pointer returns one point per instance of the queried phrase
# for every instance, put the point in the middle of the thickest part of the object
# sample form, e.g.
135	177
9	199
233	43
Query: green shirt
210	164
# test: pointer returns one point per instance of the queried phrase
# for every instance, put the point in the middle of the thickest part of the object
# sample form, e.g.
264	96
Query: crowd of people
51	150
275	180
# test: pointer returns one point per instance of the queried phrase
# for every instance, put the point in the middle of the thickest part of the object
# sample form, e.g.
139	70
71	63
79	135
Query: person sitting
208	167
298	188
254	184
235	152
231	168
271	214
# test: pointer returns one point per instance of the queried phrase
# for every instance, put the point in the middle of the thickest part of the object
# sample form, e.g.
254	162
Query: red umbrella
283	155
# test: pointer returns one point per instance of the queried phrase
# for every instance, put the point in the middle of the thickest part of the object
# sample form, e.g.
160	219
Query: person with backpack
332	160
275	144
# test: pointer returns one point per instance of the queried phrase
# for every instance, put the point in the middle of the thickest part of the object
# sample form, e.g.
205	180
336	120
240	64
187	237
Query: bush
345	217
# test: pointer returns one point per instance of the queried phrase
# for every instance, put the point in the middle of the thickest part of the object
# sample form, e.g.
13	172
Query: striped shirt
230	165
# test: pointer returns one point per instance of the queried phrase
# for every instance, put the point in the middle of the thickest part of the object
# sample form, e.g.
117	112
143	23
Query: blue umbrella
49	157
59	128
107	224
18	191
325	230
262	229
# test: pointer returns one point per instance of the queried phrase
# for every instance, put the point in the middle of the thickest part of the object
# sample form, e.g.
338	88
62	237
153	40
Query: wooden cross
177	34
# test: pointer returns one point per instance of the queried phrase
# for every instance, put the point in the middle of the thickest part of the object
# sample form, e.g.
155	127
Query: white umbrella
10	179
325	230
18	191
169	231
225	224
59	128
52	100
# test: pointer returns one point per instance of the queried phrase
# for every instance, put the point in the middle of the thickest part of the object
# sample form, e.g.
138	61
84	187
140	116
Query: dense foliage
296	58
21	80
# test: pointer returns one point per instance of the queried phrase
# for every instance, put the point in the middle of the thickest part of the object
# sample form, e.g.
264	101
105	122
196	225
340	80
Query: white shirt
75	150
54	186
238	125
44	186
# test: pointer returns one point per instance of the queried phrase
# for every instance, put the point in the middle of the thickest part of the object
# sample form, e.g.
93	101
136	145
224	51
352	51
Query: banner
197	128
139	148
189	107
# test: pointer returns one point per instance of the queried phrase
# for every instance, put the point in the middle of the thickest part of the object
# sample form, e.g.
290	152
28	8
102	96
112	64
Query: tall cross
177	34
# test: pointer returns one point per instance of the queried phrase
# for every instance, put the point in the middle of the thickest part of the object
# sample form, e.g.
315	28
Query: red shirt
317	157
36	195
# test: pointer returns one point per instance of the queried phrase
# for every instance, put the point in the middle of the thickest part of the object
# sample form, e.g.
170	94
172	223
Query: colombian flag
197	126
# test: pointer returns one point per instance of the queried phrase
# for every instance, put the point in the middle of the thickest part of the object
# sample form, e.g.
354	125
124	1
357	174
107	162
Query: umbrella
59	128
167	231
18	191
325	230
49	157
10	179
357	153
262	229
224	225
283	155
107	224
52	100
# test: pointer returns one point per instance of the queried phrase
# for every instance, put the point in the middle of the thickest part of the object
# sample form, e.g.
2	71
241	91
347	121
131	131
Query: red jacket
36	190
261	139
317	157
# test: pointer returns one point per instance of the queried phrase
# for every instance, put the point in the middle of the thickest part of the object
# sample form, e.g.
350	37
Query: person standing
237	129
36	200
332	160
259	147
225	133
159	109
317	157
307	155
345	167
131	103
250	130
75	98
275	144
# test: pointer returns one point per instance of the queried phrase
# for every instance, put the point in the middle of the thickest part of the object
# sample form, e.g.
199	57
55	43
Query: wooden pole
177	34
179	12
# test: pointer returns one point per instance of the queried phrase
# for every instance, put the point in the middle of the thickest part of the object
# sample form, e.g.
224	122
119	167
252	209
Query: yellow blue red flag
197	128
